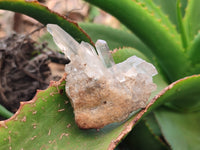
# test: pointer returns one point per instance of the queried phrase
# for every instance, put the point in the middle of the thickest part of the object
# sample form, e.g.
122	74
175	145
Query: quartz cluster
102	92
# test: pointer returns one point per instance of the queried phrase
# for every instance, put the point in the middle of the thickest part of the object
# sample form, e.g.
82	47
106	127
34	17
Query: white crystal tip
50	26
101	41
104	53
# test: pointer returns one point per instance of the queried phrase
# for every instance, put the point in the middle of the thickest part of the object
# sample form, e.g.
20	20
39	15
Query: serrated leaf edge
22	104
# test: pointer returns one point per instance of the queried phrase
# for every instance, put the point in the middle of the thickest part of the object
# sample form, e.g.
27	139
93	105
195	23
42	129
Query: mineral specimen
102	92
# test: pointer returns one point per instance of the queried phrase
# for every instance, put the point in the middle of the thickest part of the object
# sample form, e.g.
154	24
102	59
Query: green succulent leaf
152	123
194	50
121	54
169	8
180	25
142	138
163	42
191	19
181	130
184	95
4	112
116	38
42	14
47	38
156	12
175	11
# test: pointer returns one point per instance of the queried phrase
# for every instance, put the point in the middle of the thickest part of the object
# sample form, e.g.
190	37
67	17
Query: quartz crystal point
66	43
104	54
102	92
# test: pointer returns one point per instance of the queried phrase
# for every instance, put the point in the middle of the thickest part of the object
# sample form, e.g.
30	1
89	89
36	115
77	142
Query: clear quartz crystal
66	43
101	91
103	51
86	45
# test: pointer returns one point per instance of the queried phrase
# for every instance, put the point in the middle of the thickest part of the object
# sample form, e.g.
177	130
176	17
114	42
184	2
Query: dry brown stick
38	29
75	9
5	100
27	35
32	76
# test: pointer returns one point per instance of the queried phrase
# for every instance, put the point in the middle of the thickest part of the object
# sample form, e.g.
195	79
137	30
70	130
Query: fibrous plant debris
101	91
23	69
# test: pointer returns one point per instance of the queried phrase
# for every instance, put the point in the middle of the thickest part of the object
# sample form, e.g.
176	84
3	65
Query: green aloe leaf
116	38
184	95
169	8
42	14
191	20
162	41
153	8
179	95
143	134
181	130
121	54
156	12
47	38
4	112
181	26
194	51
152	123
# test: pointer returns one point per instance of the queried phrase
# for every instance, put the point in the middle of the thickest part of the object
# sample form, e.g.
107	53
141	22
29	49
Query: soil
24	68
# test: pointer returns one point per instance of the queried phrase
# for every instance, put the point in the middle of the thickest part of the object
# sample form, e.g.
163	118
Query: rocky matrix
101	91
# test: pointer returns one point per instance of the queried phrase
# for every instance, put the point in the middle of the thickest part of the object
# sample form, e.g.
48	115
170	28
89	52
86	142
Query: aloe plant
164	33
